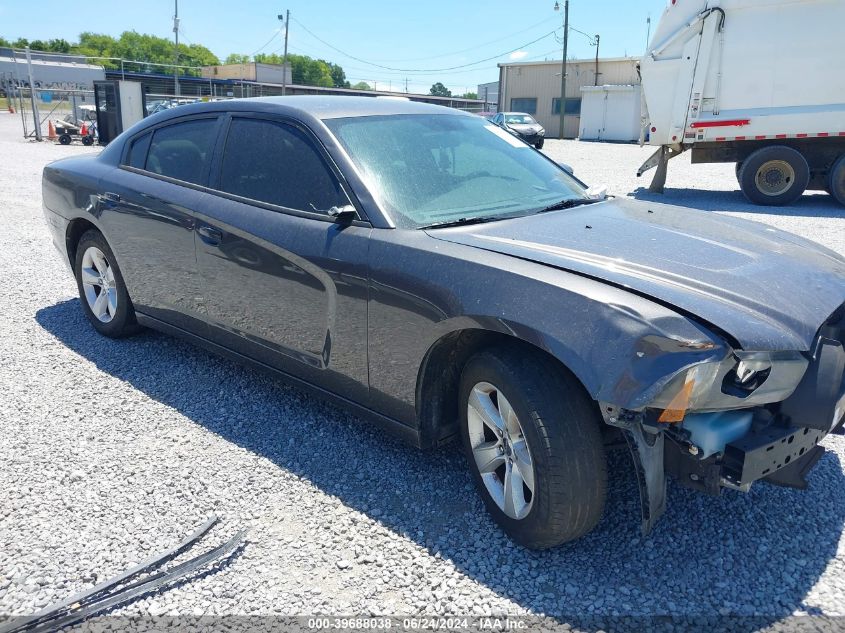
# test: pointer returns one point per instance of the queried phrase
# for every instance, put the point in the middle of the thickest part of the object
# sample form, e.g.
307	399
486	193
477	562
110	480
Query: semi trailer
759	83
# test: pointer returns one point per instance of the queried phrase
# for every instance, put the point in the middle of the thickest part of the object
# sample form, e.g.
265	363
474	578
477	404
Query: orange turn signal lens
677	408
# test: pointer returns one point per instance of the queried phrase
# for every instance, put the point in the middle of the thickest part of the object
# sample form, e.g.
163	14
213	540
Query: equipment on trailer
752	83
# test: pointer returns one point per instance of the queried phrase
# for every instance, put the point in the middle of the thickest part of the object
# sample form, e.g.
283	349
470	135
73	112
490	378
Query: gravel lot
113	450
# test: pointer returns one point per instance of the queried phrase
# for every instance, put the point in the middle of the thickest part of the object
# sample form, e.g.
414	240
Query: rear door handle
109	197
210	235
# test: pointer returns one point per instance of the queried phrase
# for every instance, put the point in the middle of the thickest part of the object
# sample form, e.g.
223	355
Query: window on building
275	163
573	106
183	150
524	104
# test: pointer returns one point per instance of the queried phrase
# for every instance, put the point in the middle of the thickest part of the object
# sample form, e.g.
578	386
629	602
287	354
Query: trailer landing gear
659	159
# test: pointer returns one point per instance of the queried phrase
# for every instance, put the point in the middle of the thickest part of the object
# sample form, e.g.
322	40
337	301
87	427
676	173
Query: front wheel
775	175
102	290
532	438
539	144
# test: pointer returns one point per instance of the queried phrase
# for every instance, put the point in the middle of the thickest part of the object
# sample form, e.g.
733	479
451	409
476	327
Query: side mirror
346	213
567	168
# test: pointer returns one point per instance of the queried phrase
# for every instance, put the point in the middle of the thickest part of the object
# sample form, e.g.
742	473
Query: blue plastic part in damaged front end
711	432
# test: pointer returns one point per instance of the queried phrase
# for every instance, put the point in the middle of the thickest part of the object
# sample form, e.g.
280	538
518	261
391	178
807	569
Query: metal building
534	87
57	72
489	94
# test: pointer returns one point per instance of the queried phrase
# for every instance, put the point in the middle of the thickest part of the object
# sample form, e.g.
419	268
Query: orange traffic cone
51	131
84	130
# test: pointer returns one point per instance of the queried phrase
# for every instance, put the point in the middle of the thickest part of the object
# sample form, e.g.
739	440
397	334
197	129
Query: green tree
38	45
151	49
338	76
439	90
58	46
5	43
362	85
21	42
237	58
469	95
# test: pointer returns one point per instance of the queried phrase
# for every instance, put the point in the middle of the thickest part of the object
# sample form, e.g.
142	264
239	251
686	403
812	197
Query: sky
455	42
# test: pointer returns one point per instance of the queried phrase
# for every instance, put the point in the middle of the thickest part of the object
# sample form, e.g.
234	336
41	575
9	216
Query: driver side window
276	163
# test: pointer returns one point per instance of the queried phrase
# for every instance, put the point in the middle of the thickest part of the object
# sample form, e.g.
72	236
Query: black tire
774	176
540	143
737	168
123	321
87	140
836	180
65	139
562	428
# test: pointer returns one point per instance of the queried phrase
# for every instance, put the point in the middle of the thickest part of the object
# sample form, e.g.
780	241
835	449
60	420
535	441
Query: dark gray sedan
433	273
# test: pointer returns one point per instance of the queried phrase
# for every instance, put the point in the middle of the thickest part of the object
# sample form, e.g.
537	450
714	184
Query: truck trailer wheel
775	175
836	180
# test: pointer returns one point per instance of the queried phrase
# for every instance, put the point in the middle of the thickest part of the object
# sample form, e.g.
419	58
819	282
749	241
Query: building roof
591	60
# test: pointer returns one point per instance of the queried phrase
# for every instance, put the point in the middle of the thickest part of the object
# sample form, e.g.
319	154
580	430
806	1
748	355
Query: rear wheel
836	180
65	139
102	290
533	442
775	175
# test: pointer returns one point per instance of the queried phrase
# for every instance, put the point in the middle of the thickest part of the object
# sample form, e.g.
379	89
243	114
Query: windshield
519	119
428	169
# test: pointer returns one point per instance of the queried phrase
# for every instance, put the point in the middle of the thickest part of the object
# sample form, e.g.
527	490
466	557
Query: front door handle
210	235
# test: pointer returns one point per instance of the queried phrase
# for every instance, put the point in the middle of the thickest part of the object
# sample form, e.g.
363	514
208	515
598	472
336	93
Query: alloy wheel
500	450
98	284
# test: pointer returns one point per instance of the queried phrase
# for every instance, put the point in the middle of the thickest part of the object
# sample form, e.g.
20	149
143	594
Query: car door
285	282
148	207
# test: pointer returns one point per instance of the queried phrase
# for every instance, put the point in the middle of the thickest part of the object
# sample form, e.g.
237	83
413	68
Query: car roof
315	107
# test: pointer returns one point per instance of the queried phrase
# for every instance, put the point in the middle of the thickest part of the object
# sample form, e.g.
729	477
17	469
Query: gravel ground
113	450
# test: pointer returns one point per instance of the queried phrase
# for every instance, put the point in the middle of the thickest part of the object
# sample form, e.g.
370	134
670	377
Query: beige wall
542	81
230	71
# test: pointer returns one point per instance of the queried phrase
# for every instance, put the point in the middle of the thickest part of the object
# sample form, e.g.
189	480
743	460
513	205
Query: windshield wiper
461	222
568	204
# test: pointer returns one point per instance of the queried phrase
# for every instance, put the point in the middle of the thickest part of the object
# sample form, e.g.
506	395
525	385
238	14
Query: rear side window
275	163
138	151
183	150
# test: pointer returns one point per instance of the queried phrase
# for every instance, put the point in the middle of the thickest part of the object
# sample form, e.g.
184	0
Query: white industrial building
489	94
534	87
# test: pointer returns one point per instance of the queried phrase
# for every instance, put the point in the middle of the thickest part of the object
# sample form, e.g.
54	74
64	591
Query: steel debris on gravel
112	450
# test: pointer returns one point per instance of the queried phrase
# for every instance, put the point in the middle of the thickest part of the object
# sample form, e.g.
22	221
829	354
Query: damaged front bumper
776	442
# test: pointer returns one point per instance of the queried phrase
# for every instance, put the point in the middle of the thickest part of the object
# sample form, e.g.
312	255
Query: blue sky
414	37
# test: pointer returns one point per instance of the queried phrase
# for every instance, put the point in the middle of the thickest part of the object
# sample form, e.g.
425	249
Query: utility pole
406	85
598	39
563	65
36	117
648	32
285	19
176	50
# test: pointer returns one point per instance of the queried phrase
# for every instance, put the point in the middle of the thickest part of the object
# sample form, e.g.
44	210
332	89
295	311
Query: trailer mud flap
647	453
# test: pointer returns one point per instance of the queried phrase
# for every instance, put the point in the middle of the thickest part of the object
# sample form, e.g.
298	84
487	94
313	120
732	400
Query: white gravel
110	451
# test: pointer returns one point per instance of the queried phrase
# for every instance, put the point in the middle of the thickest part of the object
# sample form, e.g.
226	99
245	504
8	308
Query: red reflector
724	123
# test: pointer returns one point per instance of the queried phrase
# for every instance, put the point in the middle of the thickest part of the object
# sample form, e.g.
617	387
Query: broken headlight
742	380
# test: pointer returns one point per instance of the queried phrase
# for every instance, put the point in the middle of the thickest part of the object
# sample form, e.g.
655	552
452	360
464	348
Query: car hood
525	128
768	289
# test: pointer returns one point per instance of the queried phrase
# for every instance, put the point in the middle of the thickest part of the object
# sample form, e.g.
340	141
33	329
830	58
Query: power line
421	70
471	48
275	32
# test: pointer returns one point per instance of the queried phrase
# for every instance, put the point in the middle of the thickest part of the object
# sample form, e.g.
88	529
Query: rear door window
276	163
137	156
183	150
